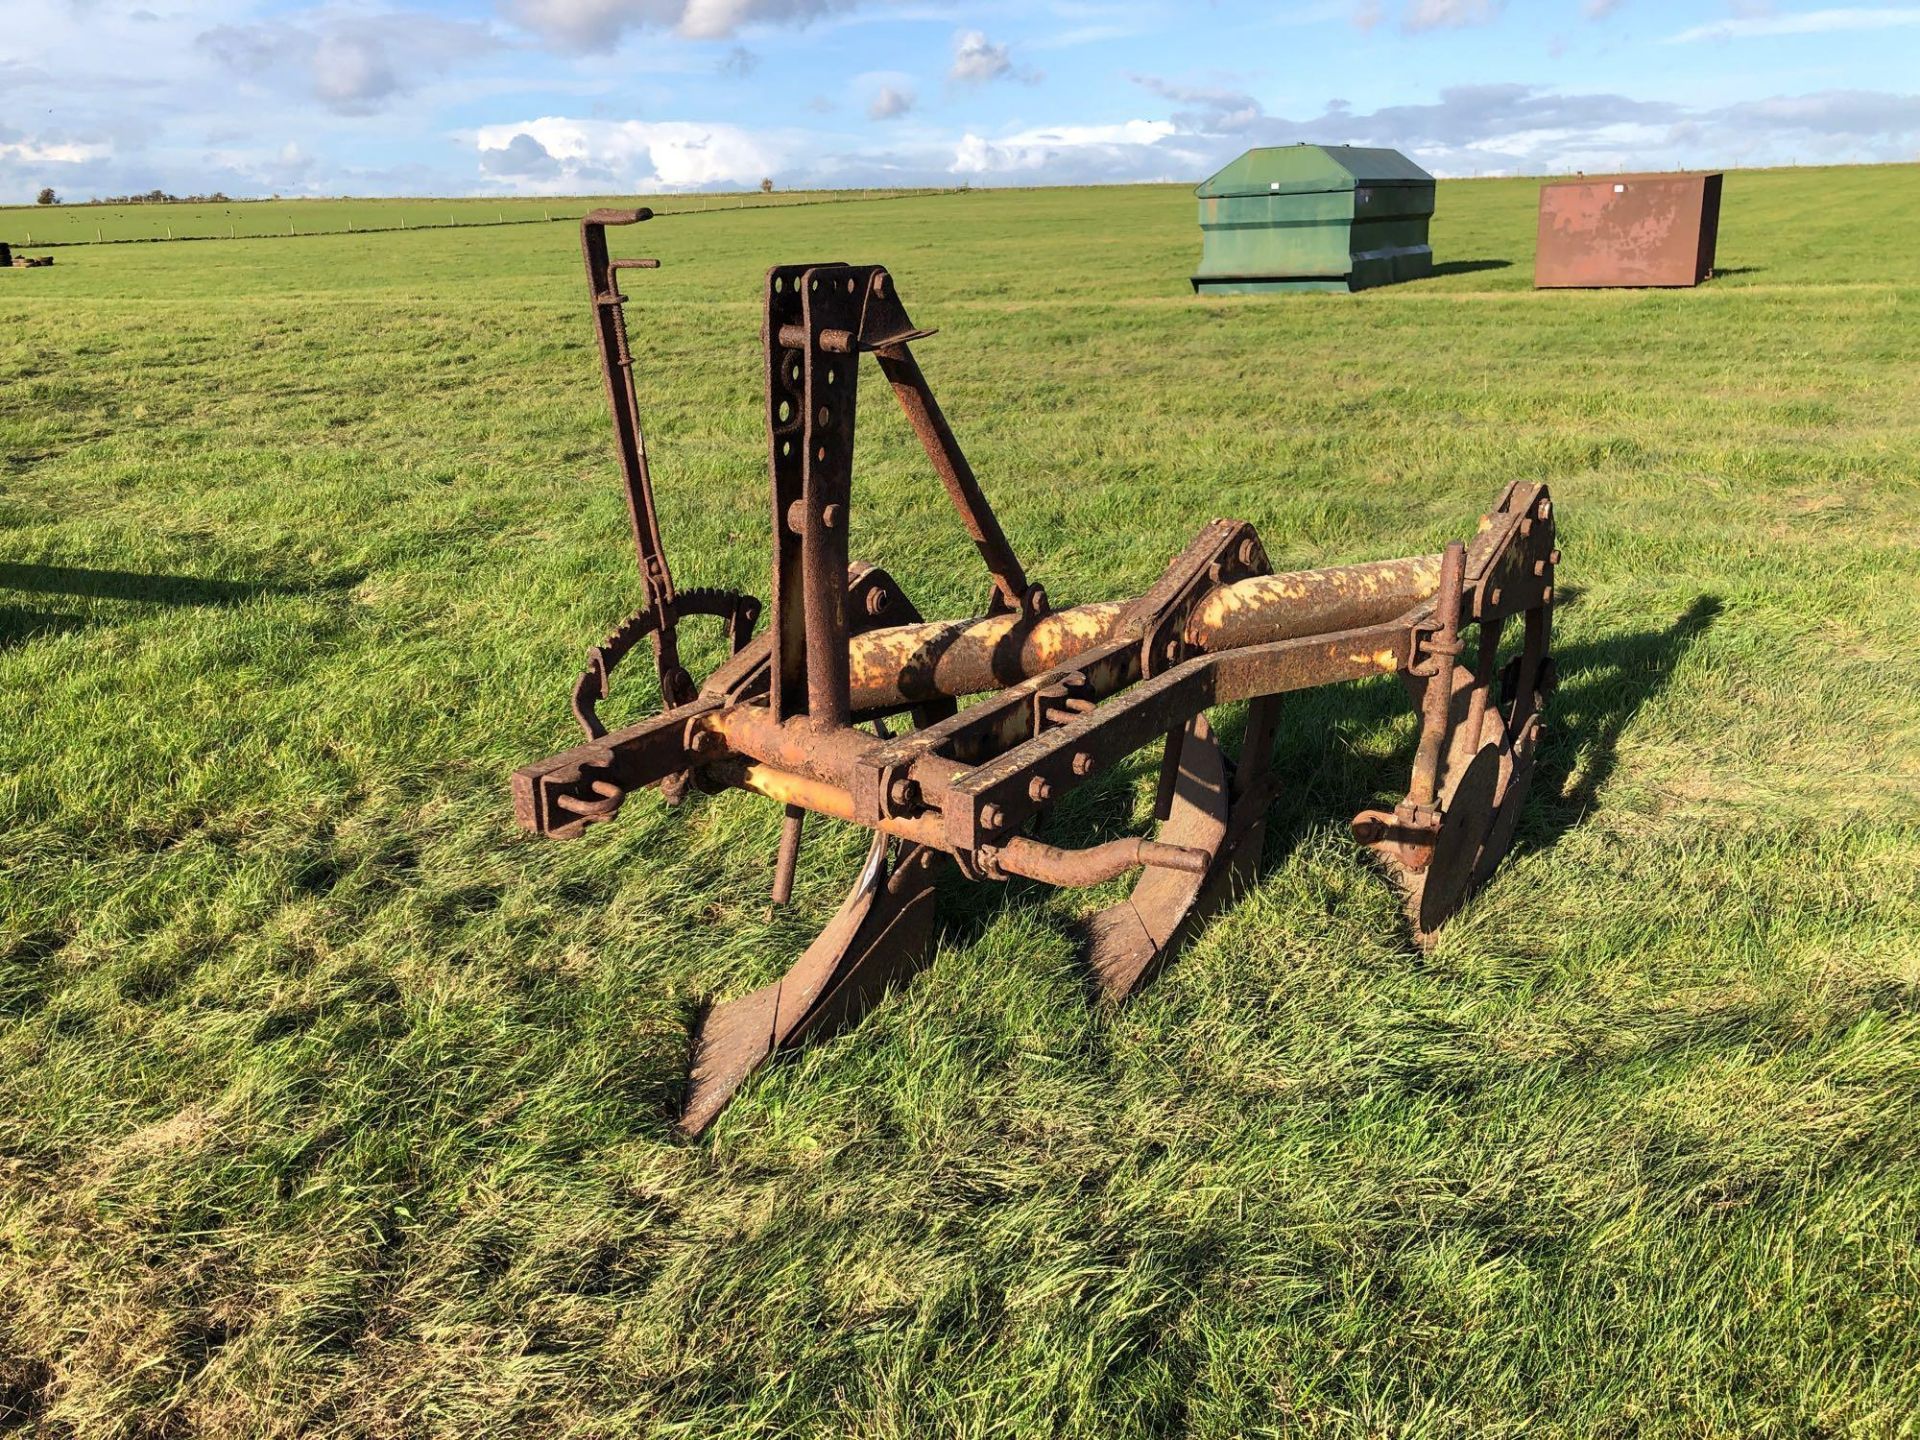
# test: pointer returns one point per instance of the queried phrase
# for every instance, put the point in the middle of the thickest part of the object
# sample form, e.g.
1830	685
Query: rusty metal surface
1627	230
846	707
971	657
882	932
659	617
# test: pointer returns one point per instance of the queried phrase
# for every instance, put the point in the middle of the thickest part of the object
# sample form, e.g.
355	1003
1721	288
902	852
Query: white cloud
1215	108
353	63
352	70
1484	130
1448	14
977	59
1849	114
1132	149
52	152
210	95
599	24
1469	130
1599	9
1809	22
625	154
890	102
521	157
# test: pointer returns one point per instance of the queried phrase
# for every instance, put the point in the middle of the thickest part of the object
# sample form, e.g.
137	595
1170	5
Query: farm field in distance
331	1105
237	219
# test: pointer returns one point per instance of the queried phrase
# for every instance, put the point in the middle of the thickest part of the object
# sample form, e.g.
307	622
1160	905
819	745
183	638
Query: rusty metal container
1314	217
1627	230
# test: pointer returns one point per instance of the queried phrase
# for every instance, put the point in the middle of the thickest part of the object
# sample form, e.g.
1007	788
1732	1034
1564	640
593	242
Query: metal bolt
797	516
992	817
1083	762
830	517
1039	791
704	742
1248	550
877	601
1526	528
1553	557
1544	510
904	794
1494	598
1546	595
1173	651
1539	567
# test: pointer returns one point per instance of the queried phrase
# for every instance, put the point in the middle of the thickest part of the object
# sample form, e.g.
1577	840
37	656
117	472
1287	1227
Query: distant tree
46	196
766	186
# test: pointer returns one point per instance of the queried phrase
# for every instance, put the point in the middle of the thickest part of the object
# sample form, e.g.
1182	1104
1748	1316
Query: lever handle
599	218
616	364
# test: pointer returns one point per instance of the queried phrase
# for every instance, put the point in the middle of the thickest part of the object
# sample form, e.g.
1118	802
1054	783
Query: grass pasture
329	1105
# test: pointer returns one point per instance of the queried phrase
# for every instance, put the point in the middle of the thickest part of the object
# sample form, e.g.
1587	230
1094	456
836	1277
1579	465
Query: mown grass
30	225
328	1104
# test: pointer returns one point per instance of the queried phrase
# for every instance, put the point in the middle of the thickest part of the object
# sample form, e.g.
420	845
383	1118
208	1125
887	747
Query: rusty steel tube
1437	700
950	463
823	799
1311	602
1097	863
908	664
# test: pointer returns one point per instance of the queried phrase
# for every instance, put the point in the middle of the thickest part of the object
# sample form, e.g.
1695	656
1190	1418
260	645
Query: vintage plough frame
846	704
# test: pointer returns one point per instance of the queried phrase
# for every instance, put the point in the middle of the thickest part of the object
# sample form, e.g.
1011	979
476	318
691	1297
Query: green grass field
331	1105
34	225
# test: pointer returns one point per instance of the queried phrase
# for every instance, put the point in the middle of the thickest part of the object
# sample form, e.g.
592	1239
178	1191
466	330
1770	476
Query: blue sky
570	96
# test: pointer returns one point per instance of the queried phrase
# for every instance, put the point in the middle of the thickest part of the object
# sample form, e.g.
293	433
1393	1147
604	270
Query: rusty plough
846	705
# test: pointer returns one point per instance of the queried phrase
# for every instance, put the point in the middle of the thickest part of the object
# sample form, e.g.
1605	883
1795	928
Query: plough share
846	705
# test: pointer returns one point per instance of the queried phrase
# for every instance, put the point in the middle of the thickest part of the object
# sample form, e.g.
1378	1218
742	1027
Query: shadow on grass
1324	769
19	624
131	585
1603	684
1466	267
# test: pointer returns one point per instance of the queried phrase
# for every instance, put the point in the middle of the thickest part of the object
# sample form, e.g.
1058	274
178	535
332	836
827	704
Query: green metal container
1314	217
